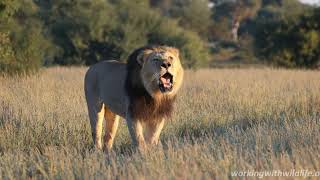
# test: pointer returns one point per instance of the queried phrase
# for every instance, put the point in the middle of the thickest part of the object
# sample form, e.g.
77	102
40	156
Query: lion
142	91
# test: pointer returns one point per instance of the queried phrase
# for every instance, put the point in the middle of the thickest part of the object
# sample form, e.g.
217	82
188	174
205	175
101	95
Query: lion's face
161	71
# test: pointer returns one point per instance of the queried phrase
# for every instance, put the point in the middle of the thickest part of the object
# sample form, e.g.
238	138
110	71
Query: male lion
141	91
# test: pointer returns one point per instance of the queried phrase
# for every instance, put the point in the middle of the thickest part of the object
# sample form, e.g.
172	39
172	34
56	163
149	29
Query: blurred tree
290	41
7	56
23	45
78	29
7	9
141	25
235	12
165	6
193	50
90	31
67	32
194	15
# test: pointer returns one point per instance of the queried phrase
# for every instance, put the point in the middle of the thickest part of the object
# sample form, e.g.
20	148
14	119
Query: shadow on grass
256	132
213	129
190	134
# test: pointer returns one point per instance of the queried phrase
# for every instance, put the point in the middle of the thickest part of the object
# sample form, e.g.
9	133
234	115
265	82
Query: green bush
23	46
290	42
97	30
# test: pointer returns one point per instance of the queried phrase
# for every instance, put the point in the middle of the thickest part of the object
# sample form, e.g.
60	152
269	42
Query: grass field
224	121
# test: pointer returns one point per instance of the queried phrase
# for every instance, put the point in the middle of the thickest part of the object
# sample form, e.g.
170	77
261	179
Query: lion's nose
166	64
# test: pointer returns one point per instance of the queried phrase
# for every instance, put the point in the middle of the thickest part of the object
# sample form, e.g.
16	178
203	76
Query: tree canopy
37	33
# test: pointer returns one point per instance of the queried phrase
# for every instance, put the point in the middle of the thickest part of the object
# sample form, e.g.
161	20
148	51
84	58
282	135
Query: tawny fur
132	91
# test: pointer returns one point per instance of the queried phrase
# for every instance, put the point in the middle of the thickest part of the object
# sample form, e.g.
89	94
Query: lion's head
154	72
159	68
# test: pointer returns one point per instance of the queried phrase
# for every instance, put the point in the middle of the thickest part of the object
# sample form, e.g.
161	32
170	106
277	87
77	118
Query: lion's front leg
136	131
153	130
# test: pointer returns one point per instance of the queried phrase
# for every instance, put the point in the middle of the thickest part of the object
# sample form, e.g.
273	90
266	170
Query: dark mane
142	105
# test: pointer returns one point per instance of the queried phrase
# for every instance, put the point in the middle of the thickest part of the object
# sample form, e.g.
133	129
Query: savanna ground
225	120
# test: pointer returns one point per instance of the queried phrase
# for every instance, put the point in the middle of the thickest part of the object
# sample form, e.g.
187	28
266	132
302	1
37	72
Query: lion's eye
170	58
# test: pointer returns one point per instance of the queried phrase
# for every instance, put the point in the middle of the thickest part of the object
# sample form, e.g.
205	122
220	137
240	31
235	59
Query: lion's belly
116	105
112	87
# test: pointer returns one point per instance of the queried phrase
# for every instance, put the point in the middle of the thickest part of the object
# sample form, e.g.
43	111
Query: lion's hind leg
96	121
95	107
96	115
112	122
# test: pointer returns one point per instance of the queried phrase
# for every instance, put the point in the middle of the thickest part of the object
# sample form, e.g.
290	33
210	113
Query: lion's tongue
166	82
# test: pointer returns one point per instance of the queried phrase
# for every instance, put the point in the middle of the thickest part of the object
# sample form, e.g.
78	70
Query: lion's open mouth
165	82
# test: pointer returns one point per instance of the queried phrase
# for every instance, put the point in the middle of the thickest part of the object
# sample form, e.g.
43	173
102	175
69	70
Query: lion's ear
175	51
142	56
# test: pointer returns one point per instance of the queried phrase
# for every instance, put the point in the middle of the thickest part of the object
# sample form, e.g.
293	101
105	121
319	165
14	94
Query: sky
310	1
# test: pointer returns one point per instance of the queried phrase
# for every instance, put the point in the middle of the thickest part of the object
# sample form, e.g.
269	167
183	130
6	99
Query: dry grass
225	120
